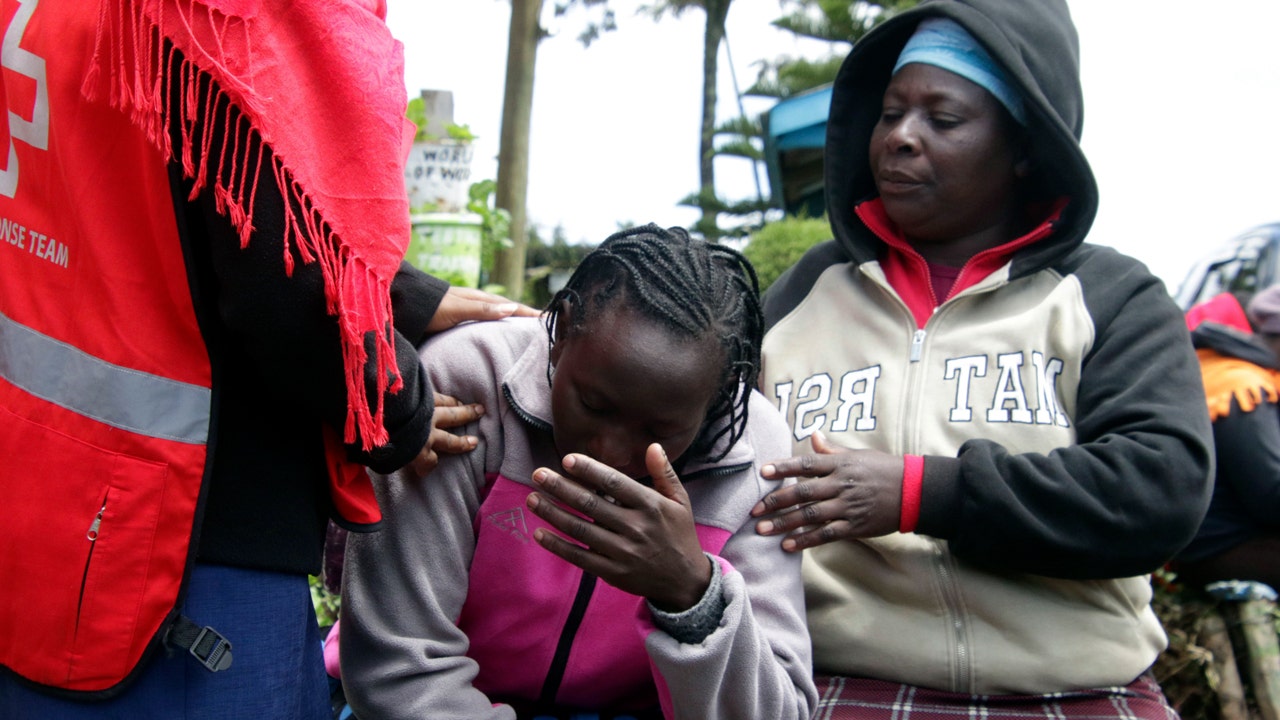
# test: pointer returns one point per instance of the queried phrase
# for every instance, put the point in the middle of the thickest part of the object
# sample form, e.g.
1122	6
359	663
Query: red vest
104	376
105	380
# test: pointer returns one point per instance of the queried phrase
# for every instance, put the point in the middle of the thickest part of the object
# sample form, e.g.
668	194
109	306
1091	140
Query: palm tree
716	12
838	22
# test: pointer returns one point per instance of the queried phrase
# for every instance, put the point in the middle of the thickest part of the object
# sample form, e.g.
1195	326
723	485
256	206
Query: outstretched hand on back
463	304
449	413
459	305
840	494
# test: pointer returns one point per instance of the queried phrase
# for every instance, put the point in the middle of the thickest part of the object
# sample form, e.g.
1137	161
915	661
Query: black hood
1230	342
1035	41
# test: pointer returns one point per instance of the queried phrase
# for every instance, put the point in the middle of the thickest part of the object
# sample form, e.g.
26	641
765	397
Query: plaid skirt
844	698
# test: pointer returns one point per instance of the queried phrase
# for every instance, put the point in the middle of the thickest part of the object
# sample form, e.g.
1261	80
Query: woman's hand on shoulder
640	540
839	494
449	413
462	304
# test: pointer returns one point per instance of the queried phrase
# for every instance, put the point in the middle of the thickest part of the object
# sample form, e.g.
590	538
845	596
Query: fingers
451	413
442	400
573	526
823	445
783	498
645	543
665	480
800	466
568	493
424	462
443	441
462	304
811	523
801	509
582	557
819	535
589	544
597	476
498	304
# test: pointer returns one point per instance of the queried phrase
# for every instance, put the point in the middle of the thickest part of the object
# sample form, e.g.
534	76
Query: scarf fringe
133	70
1248	398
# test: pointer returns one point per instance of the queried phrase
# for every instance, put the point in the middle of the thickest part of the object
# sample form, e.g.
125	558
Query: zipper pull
917	345
97	523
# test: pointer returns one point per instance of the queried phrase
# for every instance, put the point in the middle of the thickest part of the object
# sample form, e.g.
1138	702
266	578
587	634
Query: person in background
1240	536
204	220
997	425
628	581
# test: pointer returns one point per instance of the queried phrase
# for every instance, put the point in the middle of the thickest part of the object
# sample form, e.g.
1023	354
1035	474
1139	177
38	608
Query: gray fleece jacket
453	611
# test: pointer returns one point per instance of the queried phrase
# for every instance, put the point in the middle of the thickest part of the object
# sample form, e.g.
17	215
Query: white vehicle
1248	262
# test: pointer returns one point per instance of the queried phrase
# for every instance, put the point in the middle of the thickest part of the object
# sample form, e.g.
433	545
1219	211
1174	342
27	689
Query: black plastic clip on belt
205	644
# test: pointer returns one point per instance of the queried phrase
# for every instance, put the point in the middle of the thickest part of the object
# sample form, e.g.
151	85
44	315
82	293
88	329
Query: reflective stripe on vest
124	398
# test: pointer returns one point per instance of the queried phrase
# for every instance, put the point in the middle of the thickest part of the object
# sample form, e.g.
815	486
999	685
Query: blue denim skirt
277	668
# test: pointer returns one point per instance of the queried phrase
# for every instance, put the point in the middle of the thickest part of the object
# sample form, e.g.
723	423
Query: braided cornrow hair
690	286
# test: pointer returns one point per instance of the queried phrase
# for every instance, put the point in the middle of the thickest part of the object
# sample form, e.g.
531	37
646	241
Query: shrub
778	245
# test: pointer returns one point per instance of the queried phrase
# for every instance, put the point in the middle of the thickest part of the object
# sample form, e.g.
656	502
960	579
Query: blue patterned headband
943	43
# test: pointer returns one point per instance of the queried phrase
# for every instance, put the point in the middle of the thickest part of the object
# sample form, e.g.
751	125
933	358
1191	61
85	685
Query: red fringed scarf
320	82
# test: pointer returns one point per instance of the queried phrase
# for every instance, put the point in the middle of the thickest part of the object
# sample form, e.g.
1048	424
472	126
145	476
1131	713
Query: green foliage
741	125
327	604
740	147
787	76
455	279
594	28
546	260
836	21
1185	669
559	254
495	225
676	8
707	200
779	244
417	113
461	133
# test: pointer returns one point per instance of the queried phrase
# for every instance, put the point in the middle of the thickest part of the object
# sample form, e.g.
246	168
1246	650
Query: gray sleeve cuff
692	626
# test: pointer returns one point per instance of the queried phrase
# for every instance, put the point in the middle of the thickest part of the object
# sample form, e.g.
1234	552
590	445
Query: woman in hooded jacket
1002	431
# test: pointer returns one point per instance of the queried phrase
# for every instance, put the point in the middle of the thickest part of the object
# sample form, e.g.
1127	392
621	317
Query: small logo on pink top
511	522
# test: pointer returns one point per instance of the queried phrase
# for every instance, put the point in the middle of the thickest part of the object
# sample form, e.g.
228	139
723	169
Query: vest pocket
78	536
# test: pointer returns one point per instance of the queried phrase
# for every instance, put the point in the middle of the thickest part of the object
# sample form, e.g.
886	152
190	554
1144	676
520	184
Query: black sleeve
415	296
1248	450
281	321
1132	490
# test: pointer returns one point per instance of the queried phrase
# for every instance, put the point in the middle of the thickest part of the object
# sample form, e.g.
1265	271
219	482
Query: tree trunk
513	147
717	11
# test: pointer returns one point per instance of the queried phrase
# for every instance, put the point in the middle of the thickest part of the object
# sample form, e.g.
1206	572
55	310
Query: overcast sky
1182	113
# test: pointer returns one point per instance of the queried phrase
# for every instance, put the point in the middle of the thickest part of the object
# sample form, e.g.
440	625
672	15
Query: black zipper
555	673
523	414
92	537
715	471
